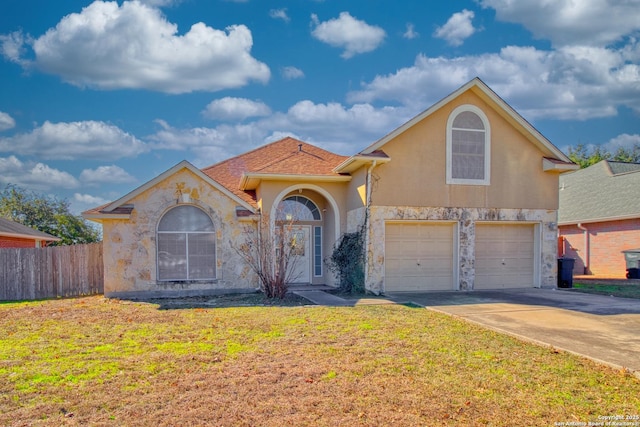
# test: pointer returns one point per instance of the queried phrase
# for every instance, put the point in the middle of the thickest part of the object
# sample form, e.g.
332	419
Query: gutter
366	220
587	252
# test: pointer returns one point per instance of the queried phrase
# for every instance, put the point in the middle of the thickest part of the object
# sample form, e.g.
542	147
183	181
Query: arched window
297	208
468	146
186	245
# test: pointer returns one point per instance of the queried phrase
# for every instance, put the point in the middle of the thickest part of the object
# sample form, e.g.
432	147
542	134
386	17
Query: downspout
587	252
366	220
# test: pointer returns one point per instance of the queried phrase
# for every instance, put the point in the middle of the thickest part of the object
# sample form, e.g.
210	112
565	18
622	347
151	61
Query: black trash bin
632	257
565	272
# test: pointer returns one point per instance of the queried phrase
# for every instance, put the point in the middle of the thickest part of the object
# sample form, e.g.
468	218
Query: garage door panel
418	257
504	256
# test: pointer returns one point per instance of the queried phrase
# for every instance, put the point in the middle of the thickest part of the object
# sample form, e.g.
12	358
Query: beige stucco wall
130	245
416	174
356	190
466	219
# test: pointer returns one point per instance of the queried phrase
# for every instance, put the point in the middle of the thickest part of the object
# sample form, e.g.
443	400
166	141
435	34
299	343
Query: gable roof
480	88
286	159
10	228
122	208
238	176
602	192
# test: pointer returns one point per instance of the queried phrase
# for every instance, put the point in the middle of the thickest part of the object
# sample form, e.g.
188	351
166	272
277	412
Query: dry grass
107	362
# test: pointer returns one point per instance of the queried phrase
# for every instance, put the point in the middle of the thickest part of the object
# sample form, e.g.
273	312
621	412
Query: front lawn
107	362
623	290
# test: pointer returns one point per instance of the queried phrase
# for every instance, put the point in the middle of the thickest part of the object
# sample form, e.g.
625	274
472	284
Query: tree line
585	156
47	214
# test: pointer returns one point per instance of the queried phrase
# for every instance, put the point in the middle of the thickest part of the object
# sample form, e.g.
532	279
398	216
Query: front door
300	263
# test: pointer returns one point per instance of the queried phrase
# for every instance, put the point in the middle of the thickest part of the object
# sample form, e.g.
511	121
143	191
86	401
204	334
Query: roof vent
299	147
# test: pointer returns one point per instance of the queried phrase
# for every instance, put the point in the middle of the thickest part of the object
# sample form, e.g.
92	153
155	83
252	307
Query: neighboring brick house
599	217
15	235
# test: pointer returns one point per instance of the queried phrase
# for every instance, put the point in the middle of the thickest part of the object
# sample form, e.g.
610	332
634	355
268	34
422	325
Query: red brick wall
607	240
16	242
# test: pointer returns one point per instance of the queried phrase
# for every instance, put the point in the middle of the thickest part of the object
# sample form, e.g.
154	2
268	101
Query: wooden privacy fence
57	271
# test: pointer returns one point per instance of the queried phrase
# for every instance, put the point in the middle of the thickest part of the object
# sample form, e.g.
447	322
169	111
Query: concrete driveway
605	329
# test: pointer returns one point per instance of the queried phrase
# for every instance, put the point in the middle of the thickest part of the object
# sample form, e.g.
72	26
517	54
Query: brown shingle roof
12	228
287	156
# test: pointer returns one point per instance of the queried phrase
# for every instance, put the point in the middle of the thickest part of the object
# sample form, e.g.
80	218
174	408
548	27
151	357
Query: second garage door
505	256
419	256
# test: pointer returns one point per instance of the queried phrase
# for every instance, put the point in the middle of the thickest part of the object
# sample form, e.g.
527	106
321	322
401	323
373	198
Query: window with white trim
317	251
468	146
186	245
298	208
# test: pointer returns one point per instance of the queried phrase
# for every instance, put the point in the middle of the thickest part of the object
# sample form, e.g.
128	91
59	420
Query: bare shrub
270	250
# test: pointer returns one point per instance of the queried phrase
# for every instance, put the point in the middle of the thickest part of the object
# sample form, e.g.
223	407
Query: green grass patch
616	290
106	361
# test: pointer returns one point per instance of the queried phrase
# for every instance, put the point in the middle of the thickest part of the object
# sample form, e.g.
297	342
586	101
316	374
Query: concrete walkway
604	329
324	298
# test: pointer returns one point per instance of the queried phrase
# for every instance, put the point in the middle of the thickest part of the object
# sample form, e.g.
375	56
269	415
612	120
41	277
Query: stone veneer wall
130	245
466	218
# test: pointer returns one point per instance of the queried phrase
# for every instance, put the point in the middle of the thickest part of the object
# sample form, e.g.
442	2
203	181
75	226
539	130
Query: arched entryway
314	218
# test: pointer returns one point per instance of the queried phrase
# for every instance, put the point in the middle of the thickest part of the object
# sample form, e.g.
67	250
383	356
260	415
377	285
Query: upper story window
468	146
298	208
186	245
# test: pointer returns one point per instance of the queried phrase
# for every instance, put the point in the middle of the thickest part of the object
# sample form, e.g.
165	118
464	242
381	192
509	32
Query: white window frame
487	147
187	278
317	251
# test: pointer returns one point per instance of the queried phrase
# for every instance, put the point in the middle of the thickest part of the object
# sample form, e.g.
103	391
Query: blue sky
97	98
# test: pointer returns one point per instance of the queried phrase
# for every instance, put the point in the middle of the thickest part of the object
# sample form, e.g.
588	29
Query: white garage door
505	256
419	257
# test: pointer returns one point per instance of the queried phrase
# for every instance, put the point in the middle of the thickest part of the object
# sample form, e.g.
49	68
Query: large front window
186	245
468	147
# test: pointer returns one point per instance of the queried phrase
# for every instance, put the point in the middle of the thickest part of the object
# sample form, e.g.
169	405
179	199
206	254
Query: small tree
270	250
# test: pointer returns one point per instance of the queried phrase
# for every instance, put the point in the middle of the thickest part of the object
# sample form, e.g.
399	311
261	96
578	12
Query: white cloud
161	3
458	28
6	121
624	141
34	176
584	22
410	33
332	126
347	32
210	145
280	14
290	73
89	200
106	174
107	46
229	108
570	83
12	46
75	140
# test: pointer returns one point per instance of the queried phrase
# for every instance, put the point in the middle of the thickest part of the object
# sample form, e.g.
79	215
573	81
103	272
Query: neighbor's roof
13	229
602	192
287	158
